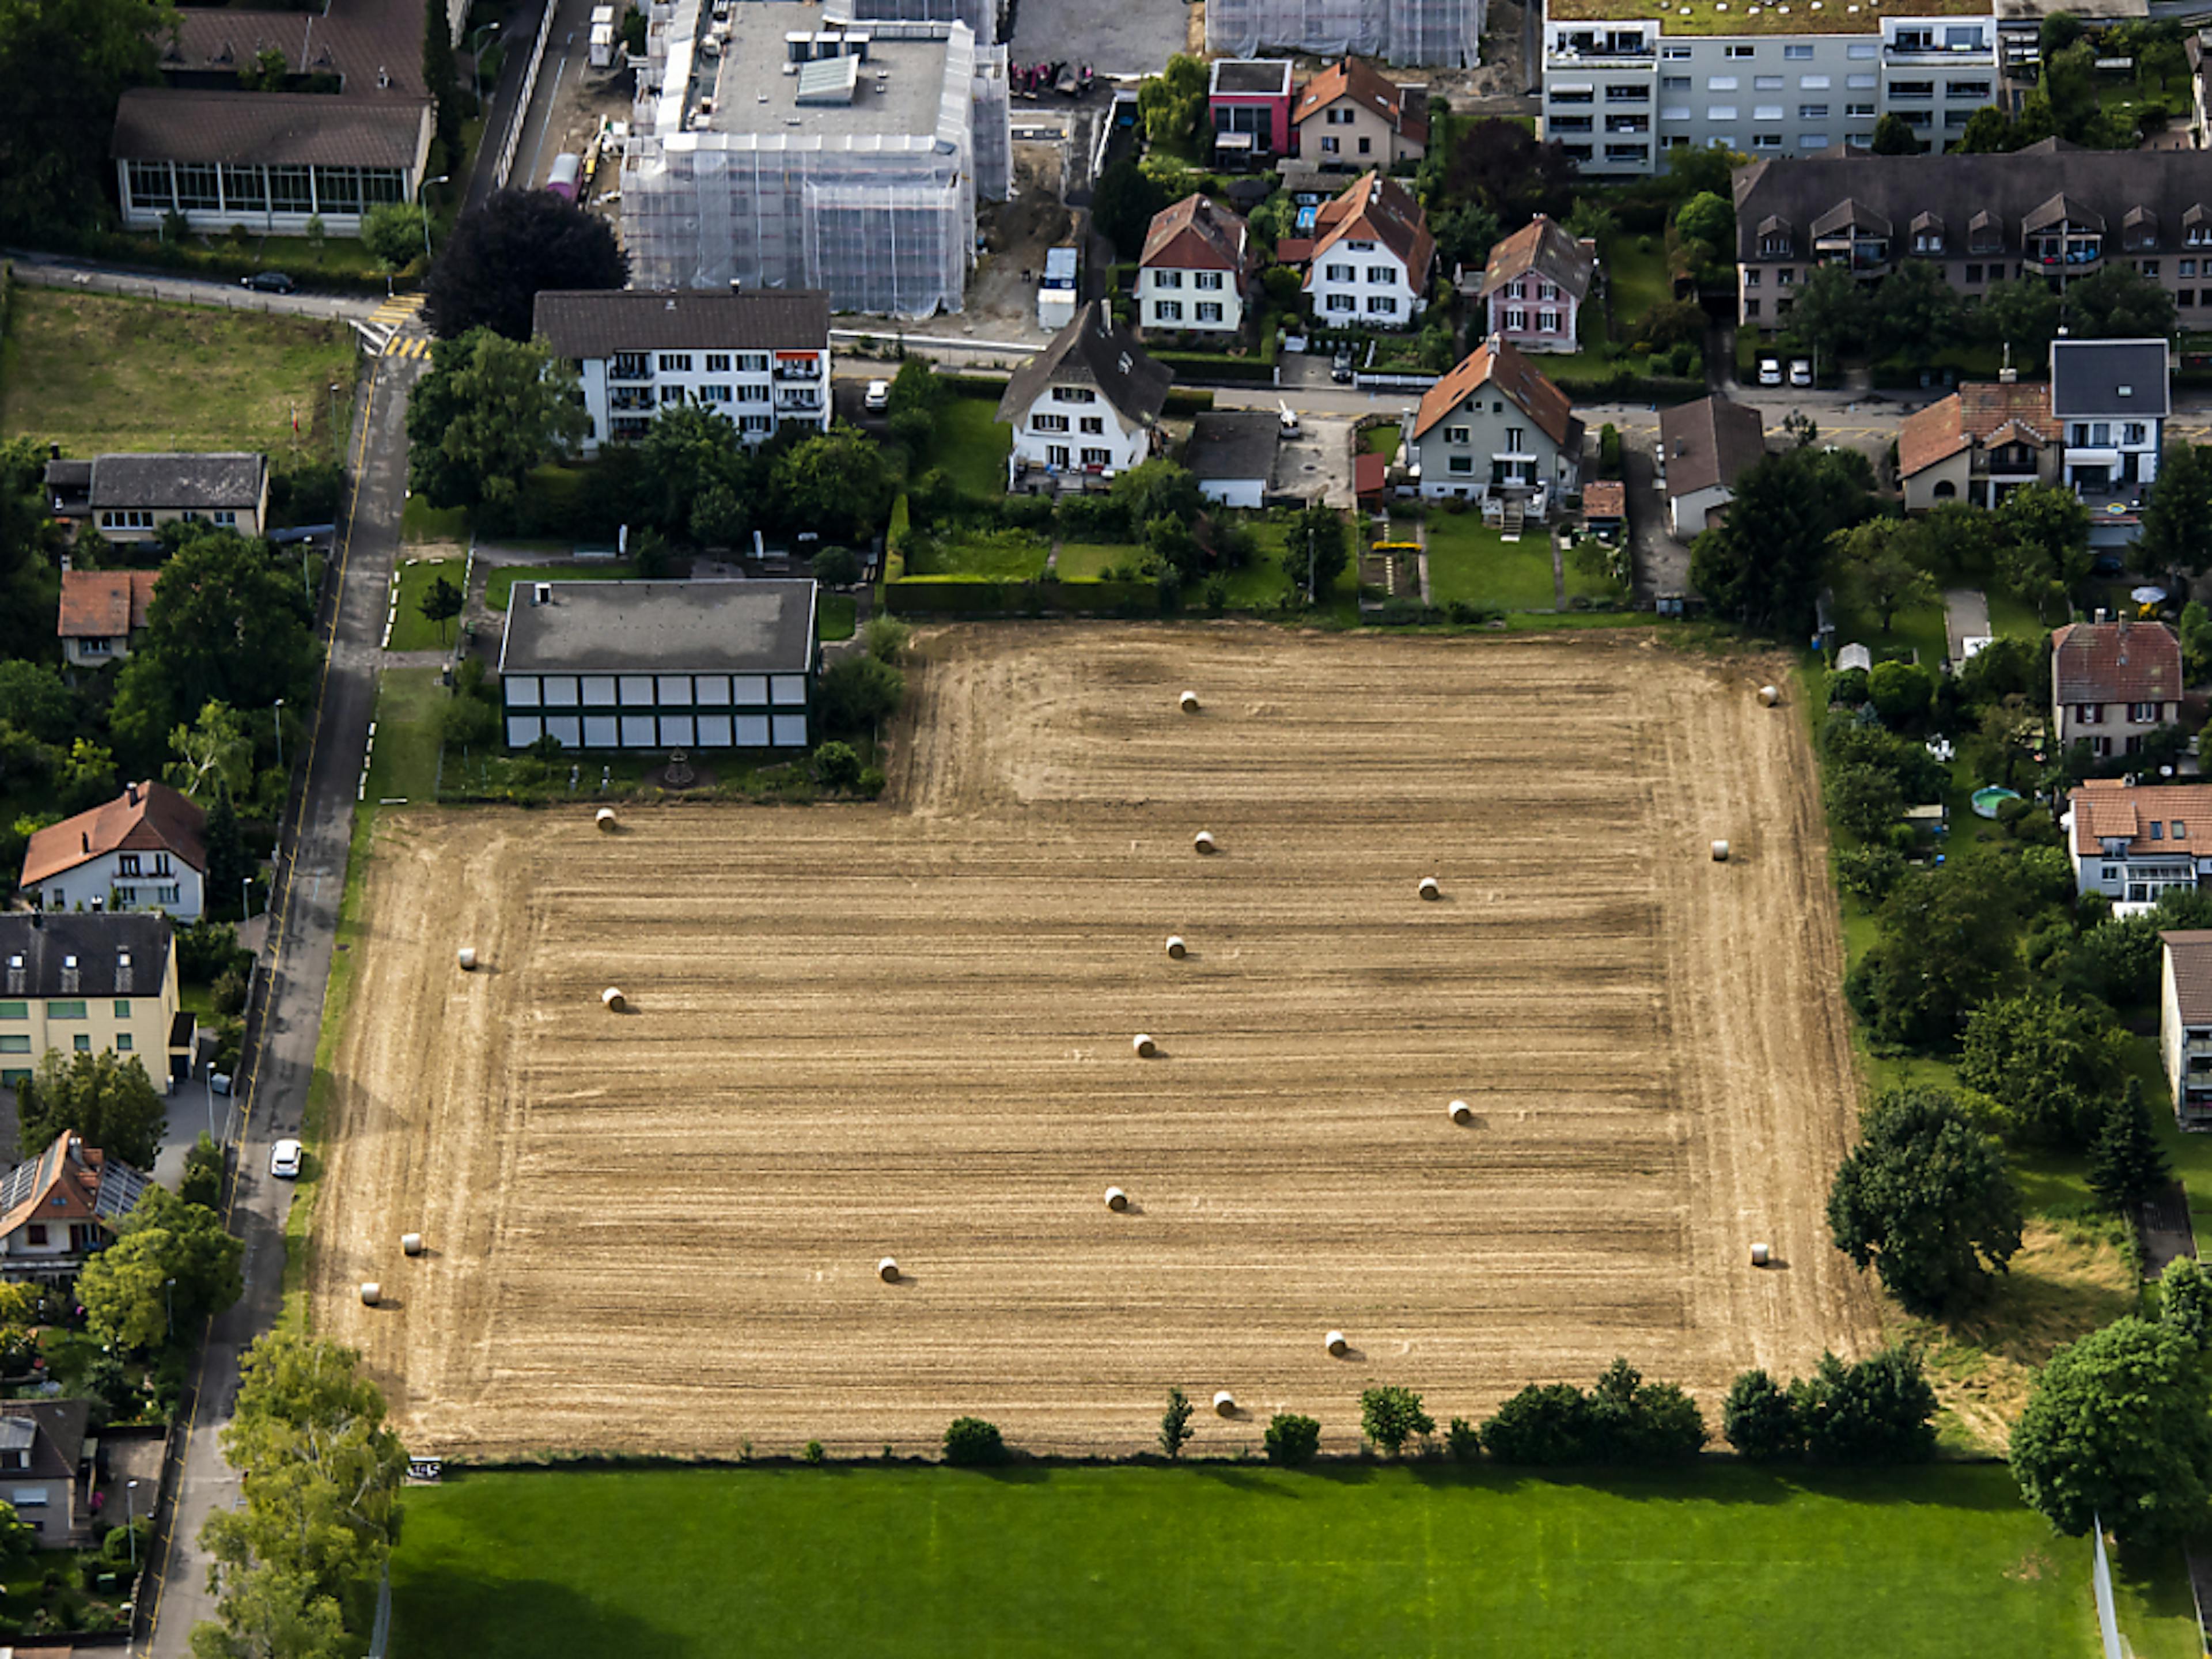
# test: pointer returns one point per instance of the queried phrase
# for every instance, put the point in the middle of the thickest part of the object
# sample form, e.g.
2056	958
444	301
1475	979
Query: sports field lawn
1236	1559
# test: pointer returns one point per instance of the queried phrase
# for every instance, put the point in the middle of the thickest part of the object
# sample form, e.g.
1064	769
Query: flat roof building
659	664
1446	33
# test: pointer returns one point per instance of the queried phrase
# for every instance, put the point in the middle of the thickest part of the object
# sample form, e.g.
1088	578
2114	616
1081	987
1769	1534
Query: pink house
1532	288
1248	103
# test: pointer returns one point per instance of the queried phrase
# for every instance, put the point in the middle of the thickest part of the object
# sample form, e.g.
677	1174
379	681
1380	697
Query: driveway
1965	617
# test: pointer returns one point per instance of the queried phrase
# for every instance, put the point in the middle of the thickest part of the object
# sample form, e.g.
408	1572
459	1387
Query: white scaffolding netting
1445	33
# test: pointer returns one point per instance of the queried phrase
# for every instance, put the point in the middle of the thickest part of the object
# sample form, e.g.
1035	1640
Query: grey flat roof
1269	77
753	95
661	627
2108	377
1234	443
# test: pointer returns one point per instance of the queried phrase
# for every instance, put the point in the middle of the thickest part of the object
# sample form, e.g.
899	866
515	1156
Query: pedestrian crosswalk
416	345
395	312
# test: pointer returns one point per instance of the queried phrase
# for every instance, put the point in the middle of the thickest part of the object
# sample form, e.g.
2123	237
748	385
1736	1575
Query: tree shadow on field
1985	1487
439	1612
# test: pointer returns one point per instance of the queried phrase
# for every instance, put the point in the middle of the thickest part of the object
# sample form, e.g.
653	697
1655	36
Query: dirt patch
905	1030
1001	301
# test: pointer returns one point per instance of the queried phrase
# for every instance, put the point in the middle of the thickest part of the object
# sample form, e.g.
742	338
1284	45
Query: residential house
102	612
760	358
1248	106
2050	209
2113	683
2110	398
145	850
89	984
1704	448
1495	430
1444	33
1350	117
60	1208
1979	445
2184	1023
1085	408
1534	285
1371	256
1232	455
711	664
1194	272
2132	841
46	1468
127	498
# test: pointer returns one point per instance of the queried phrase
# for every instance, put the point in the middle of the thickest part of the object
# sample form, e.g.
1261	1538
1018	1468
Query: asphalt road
310	883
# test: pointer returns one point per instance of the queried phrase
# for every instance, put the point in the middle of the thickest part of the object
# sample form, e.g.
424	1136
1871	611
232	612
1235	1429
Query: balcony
623	401
629	369
808	372
798	401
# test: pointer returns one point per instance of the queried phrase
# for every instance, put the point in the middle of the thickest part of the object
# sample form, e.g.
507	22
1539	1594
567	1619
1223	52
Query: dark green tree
1892	136
229	864
440	79
2126	1163
1832	313
1389	1417
1175	1424
1292	1439
2117	303
500	256
169	1257
491	410
1502	164
1916	304
1465	236
2046	552
64	64
441	605
1760	1421
1316	548
1122	206
2021	312
2051	1063
109	1101
1925	1199
836	765
1633	1421
2185	1301
1880	564
837	484
1990	131
970	1441
858	691
1762	566
1546	1424
1881	1410
2177	521
392	233
202	1183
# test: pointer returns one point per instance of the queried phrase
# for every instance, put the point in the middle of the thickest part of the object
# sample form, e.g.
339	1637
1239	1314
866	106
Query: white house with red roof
145	850
2113	683
1371	256
59	1207
1193	273
2132	841
102	612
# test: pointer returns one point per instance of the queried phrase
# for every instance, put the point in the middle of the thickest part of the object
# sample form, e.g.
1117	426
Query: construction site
1469	1065
1435	33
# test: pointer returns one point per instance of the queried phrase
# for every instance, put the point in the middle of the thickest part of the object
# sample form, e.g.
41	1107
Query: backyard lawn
1473	564
1089	561
410	629
1234	1560
93	373
419	521
405	763
501	581
833	615
971	448
1002	556
1380	439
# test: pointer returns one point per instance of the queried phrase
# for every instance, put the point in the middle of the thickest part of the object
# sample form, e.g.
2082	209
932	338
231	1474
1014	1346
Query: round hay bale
411	1243
887	1270
1461	1112
1176	948
1429	888
371	1293
1224	1403
467	957
1143	1043
1760	1256
1769	696
605	817
1117	1198
1190	702
611	1000
1720	852
1203	841
1337	1346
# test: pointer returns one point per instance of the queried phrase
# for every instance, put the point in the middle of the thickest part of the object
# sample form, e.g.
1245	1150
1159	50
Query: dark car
268	282
1339	367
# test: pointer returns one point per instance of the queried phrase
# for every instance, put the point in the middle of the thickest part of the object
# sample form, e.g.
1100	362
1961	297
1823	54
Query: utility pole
1311	567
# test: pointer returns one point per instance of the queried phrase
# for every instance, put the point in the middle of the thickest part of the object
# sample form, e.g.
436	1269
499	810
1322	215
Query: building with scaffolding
1446	34
774	147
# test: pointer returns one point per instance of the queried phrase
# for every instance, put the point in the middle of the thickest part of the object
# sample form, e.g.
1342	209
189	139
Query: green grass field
404	766
501	581
93	373
836	616
1089	561
1380	439
419	521
1237	1559
1000	555
971	446
410	629
1474	564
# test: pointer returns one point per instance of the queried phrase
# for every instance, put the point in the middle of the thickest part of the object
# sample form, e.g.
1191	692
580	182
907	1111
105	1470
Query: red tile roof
1369	472
63	1184
1984	412
1379	210
1605	498
1355	78
1194	235
1928	435
2189	951
1500	362
2115	662
2111	809
104	604
146	817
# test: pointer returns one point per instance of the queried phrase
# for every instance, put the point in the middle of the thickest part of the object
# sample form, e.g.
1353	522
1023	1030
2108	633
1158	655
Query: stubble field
904	1029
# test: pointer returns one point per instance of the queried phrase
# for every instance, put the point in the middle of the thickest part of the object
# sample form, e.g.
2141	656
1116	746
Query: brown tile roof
1369	473
299	129
149	816
2149	817
104	604
2115	662
1540	245
360	41
1359	80
1294	251
68	1182
1987	407
1605	498
1928	435
1709	443
1195	234
2189	951
1379	210
1498	362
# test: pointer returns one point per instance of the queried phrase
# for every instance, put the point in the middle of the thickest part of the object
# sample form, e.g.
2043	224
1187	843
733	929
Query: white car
879	396
1800	371
1770	371
284	1160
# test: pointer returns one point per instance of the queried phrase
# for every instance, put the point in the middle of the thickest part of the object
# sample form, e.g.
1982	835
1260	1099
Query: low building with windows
700	666
2184	1023
1085	408
87	985
1979	445
60	1208
1248	101
2132	841
1534	284
762	358
1193	272
127	498
1371	256
145	850
102	612
1494	430
2113	683
1351	117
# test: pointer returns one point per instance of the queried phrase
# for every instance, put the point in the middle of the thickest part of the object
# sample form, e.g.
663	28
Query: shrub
1759	1420
1463	1440
205	949
1390	1417
970	1441
203	1178
1545	1424
836	766
885	638
1292	1439
858	691
836	567
1868	873
814	1453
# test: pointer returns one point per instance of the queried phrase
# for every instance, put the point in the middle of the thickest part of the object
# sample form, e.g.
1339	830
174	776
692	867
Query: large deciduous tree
835	484
2117	303
2051	1063
489	409
1122	204
63	64
1762	565
170	1259
2177	519
1925	1199
1501	164
501	257
1879	565
108	1100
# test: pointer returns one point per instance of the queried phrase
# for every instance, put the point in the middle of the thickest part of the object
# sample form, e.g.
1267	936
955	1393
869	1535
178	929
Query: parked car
268	282
877	397
284	1160
1800	371
1340	367
1770	371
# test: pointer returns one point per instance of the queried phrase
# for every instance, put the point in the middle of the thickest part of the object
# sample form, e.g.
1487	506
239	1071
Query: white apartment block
1623	85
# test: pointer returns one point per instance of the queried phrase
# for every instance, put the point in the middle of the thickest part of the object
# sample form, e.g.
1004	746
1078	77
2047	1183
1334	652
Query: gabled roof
2110	378
592	323
1709	443
164	123
2174	818
52	1431
1928	435
1357	79
1091	351
69	1181
1195	234
104	604
1983	413
1854	214
208	482
1498	363
1543	247
83	953
145	817
2119	661
2189	951
1378	209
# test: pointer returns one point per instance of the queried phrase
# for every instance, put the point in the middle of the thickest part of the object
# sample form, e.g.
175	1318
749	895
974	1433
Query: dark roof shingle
1709	443
2119	661
1234	443
198	483
164	124
97	941
1092	350
599	322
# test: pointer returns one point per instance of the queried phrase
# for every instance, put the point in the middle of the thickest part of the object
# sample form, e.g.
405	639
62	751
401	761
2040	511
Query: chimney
85	837
131	793
53	451
2008	377
69	563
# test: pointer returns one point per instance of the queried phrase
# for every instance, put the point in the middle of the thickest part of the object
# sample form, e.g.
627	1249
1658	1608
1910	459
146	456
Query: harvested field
905	1028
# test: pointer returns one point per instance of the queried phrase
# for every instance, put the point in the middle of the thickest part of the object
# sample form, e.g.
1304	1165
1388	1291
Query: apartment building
89	984
1625	82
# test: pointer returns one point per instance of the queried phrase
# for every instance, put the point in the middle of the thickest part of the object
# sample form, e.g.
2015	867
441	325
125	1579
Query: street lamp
442	178
169	1298
476	57
131	1521
246	898
280	722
